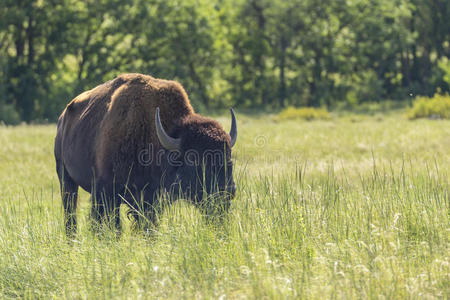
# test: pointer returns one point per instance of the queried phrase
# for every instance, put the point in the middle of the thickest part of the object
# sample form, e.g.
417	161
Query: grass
344	208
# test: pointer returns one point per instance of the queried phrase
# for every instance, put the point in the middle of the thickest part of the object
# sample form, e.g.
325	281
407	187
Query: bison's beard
210	201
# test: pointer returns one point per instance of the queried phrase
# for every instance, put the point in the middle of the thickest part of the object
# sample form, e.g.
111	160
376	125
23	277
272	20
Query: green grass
344	208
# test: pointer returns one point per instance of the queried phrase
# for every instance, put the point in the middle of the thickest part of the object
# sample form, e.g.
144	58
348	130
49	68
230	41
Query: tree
33	39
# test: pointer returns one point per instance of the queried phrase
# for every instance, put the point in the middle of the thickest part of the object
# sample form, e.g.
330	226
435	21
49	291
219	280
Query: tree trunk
30	39
200	85
282	90
314	94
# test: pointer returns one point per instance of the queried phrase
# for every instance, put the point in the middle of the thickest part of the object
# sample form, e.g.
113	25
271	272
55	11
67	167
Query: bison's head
198	158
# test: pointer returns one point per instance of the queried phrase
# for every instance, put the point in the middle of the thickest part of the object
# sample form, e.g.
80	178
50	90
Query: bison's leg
69	195
143	208
106	205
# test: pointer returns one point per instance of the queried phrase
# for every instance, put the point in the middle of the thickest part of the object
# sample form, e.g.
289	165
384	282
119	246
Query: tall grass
318	216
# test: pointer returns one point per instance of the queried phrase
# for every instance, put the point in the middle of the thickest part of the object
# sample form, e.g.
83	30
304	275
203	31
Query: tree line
244	53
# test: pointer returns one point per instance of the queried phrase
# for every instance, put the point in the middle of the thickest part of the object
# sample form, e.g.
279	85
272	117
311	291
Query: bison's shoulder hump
146	92
80	100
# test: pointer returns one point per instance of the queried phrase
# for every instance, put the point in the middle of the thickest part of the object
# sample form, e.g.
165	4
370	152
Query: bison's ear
233	130
166	141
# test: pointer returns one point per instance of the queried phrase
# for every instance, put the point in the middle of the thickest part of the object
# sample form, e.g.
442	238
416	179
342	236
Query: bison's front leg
106	206
143	210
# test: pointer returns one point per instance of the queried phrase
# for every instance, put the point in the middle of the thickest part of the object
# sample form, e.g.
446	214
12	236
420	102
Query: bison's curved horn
166	141
233	130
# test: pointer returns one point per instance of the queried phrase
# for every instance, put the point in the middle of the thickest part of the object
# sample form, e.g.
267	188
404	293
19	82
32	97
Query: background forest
250	54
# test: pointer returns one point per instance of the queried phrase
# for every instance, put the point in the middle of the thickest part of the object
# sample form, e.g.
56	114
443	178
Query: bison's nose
231	189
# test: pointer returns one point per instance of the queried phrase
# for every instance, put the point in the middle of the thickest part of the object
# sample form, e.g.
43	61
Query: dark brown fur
102	131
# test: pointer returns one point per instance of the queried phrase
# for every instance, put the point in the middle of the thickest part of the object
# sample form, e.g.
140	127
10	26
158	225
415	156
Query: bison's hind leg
69	195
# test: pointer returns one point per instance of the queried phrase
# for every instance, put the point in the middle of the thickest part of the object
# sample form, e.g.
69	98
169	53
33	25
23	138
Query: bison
131	139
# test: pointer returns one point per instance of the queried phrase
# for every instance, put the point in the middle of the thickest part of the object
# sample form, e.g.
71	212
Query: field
352	207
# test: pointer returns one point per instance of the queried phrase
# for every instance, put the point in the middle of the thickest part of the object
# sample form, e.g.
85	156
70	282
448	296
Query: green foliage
444	64
364	87
252	54
9	115
437	107
304	113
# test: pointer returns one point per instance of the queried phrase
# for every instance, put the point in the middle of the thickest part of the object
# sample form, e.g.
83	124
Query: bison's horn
233	130
166	141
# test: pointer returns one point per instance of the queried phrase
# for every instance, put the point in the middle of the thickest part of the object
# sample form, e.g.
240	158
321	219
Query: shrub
8	115
305	113
437	107
370	108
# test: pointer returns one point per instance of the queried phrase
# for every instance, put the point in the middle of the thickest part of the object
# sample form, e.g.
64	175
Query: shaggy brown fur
102	131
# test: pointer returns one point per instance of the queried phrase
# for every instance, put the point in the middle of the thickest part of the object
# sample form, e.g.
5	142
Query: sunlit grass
338	208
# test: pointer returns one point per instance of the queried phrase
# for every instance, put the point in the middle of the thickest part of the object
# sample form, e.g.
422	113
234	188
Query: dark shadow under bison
134	138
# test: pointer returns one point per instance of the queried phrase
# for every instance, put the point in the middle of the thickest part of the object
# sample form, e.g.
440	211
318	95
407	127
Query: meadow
351	207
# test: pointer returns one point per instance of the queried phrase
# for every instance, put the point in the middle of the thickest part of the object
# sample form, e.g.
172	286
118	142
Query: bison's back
103	130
